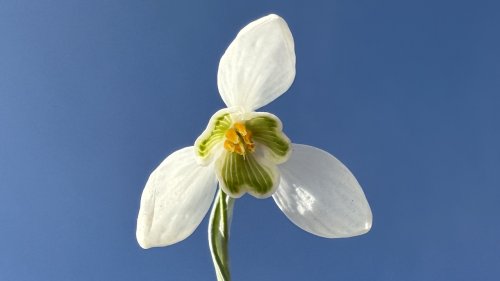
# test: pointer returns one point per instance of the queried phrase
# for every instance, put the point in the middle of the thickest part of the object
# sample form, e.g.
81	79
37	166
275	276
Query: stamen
248	138
232	136
250	147
240	127
229	146
240	149
239	140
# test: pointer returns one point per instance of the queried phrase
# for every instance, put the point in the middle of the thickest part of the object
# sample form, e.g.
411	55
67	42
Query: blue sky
94	94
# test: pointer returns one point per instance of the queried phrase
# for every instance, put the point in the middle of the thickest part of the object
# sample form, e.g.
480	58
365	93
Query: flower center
238	139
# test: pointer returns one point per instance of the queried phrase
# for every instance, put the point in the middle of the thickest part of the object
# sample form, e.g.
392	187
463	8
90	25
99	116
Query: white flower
246	151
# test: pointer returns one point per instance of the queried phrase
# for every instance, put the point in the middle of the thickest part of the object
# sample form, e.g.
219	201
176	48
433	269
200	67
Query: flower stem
218	234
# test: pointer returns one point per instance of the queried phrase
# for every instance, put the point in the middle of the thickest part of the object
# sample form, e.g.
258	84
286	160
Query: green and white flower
247	152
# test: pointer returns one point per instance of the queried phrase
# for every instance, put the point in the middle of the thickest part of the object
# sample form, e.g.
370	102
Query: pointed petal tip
368	223
146	246
152	240
143	243
363	228
141	236
270	17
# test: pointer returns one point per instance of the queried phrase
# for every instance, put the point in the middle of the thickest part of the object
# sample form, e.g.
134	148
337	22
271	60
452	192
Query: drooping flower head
247	152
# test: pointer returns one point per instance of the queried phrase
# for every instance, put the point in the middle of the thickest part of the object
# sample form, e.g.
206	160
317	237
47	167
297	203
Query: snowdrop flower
245	151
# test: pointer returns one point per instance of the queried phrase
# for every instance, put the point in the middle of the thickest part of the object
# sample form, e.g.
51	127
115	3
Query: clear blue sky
94	94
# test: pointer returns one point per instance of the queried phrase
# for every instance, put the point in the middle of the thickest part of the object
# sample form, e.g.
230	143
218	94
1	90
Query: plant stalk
218	234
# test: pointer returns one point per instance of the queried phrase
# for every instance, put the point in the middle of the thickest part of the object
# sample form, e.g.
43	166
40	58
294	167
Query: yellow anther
248	138
229	146
240	149
232	136
250	147
240	127
239	140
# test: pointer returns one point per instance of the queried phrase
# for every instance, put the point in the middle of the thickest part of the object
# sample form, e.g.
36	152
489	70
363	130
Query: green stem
218	234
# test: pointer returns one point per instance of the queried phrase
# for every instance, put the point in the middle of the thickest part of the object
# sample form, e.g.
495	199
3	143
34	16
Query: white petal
320	195
259	65
175	200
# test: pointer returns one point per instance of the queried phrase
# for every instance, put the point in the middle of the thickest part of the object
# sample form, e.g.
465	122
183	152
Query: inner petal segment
267	131
253	148
214	134
250	173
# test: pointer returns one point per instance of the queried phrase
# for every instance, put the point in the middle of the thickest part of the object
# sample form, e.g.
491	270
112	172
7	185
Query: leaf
218	234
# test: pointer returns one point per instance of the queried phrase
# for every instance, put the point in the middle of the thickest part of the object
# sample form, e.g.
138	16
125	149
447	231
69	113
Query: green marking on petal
213	134
240	174
266	129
